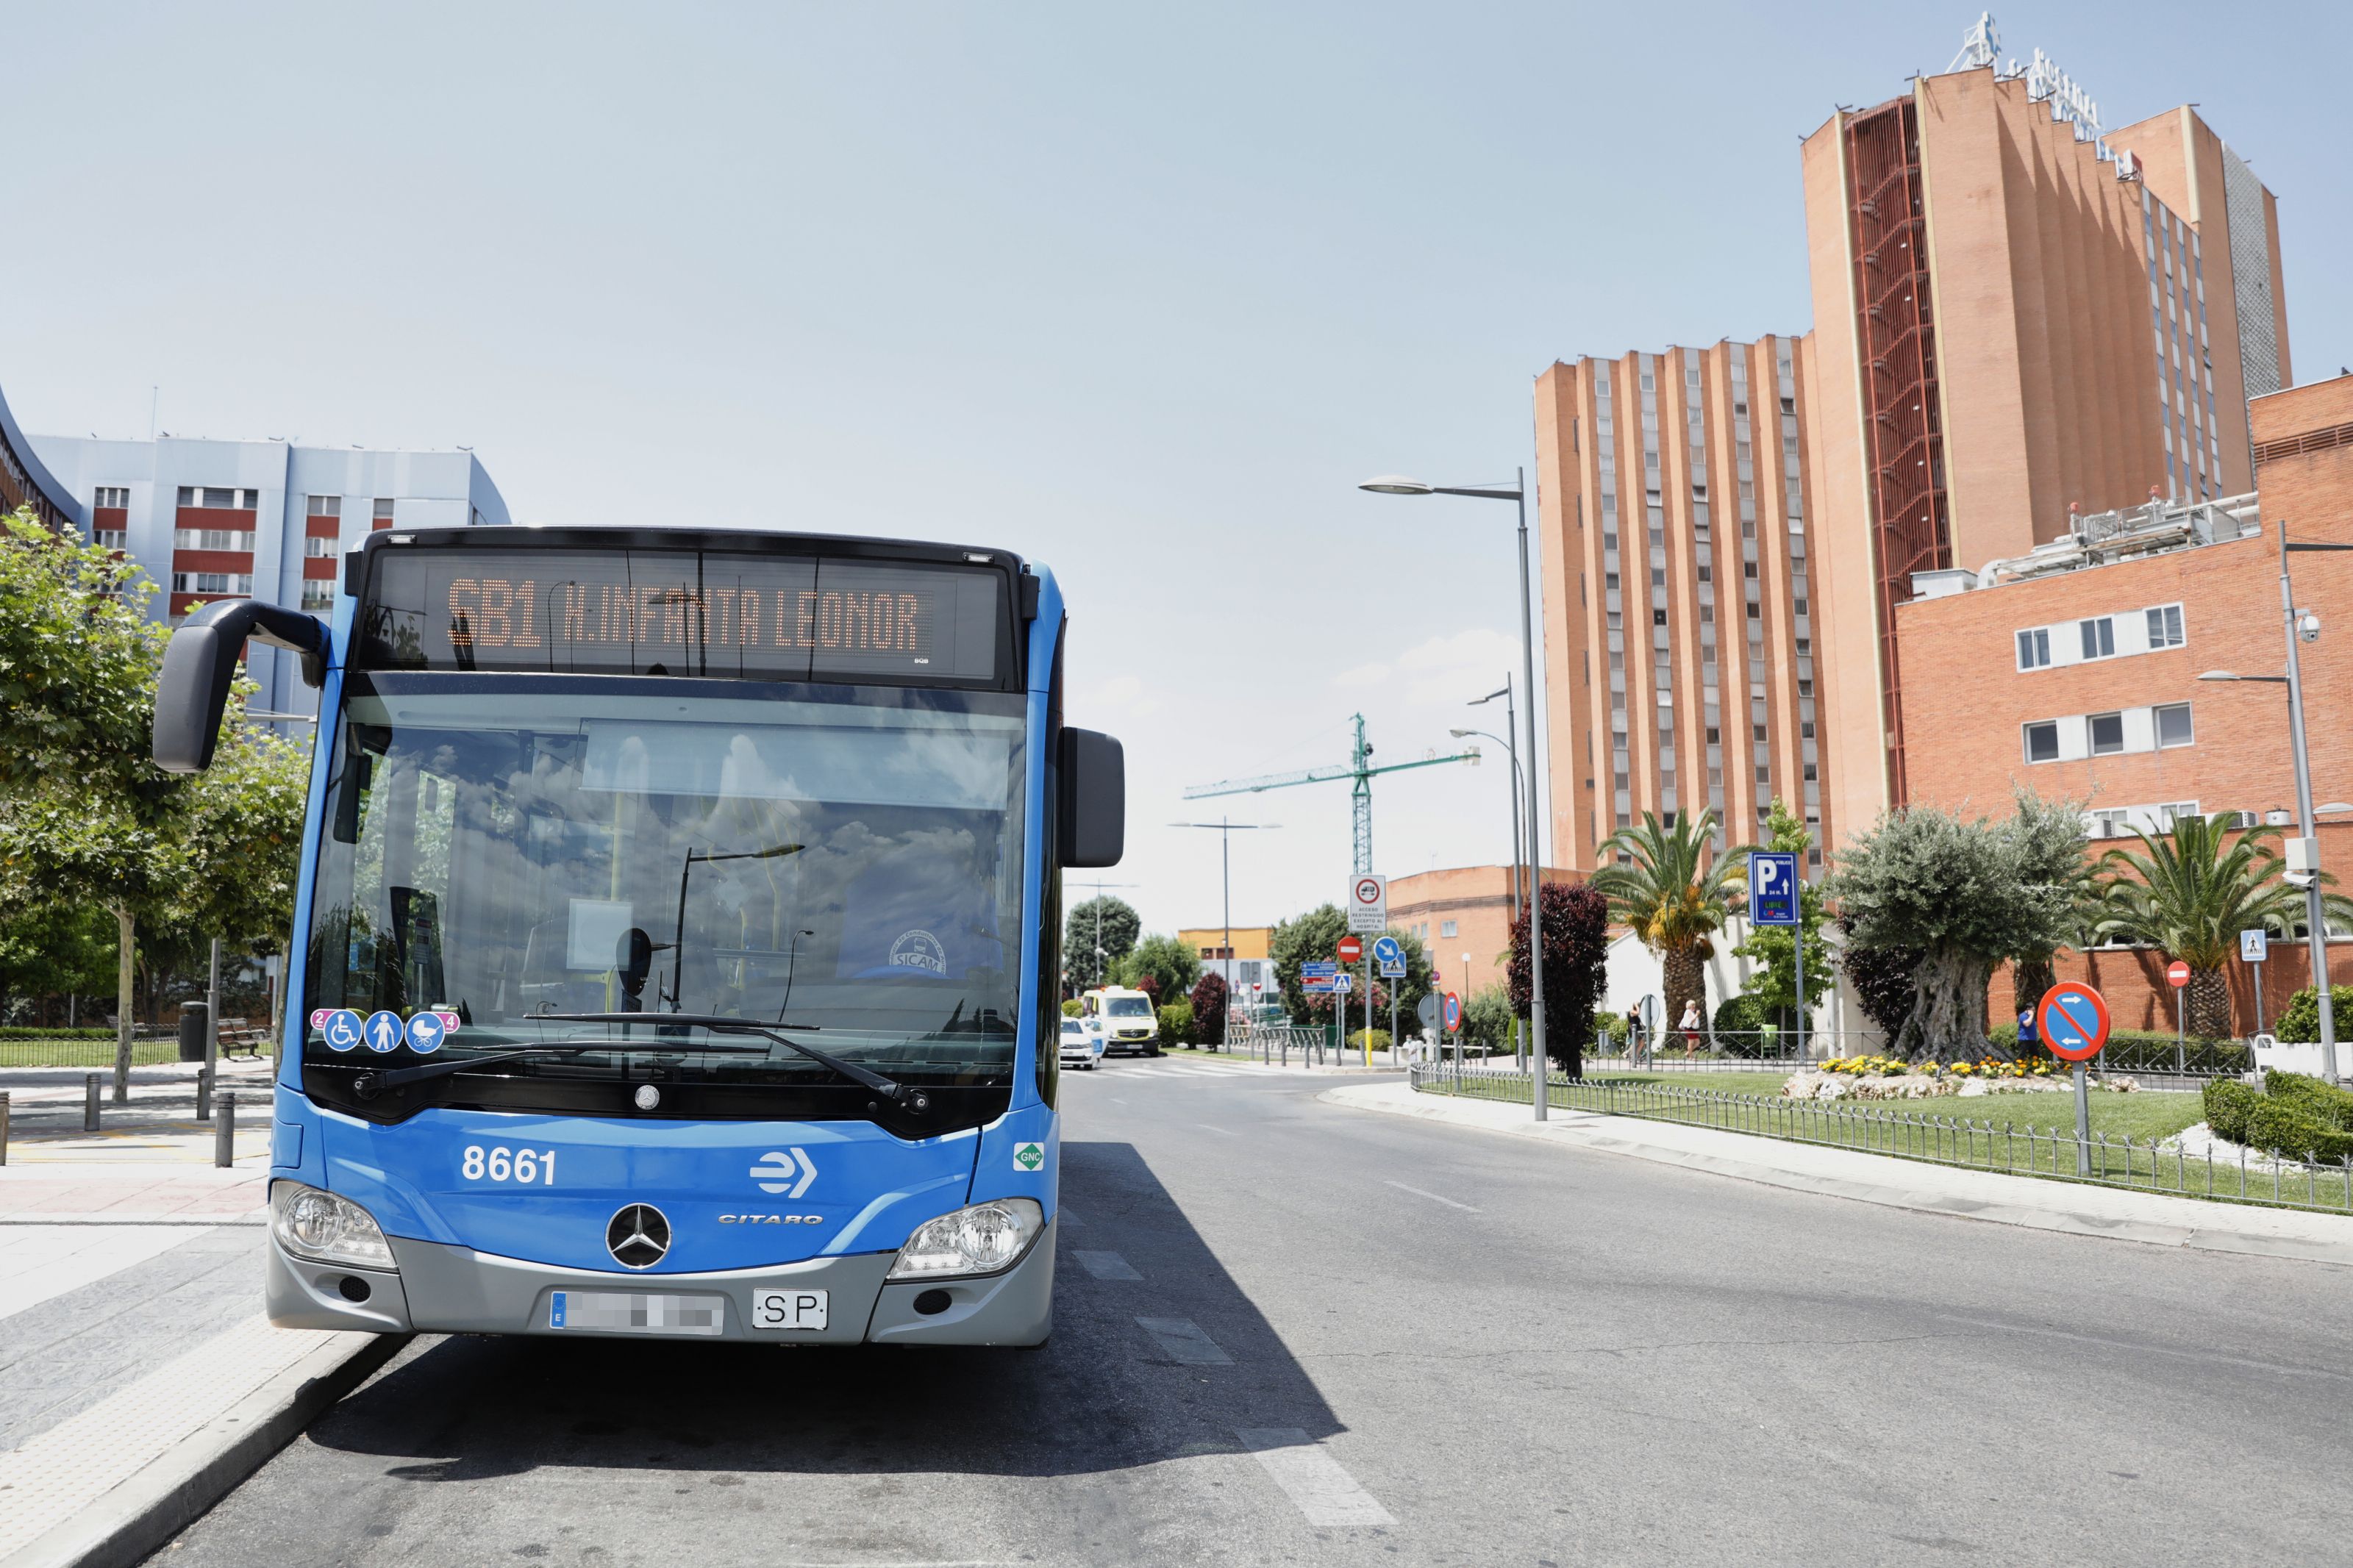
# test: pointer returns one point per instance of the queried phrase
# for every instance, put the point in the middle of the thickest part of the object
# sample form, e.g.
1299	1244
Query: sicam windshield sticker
919	949
1029	1156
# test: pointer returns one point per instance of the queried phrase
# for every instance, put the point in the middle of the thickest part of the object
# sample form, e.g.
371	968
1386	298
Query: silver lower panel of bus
440	1289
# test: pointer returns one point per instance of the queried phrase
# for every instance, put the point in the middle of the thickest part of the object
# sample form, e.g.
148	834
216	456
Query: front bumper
444	1289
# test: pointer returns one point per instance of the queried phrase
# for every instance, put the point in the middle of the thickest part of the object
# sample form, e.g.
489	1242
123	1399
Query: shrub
2228	1104
2284	1127
1738	1014
1070	1008
1209	1009
1381	1038
2301	1021
1176	1024
2331	1107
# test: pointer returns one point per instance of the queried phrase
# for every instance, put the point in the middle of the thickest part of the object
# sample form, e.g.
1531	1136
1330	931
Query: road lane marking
1313	1480
1069	1219
1433	1197
1106	1266
1227	1130
1182	1339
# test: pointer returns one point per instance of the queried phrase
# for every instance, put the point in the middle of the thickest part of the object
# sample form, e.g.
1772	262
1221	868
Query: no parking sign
2074	1021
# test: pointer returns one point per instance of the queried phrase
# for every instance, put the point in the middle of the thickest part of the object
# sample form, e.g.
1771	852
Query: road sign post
2176	974
1774	900
2255	946
2074	1023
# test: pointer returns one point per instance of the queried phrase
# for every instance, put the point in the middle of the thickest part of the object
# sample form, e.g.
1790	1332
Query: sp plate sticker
1029	1156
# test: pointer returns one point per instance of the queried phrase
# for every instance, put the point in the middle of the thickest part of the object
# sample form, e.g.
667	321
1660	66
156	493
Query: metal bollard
203	1094
225	1133
4	1126
89	1104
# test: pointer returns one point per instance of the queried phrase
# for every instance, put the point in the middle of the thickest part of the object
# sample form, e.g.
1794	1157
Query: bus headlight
325	1228
981	1239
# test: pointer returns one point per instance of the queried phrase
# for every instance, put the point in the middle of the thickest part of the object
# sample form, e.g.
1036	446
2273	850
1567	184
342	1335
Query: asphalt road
1293	1333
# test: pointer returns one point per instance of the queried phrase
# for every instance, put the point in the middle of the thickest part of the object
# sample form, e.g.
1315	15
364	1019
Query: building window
211	539
2165	627
2173	811
383	511
2042	742
2099	637
2108	732
317	548
219	500
2173	727
110	539
1446	929
2034	649
111	496
318	595
2111	823
326	506
212	582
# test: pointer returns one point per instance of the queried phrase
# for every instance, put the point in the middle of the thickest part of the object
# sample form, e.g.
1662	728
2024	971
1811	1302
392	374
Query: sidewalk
2152	1218
138	1378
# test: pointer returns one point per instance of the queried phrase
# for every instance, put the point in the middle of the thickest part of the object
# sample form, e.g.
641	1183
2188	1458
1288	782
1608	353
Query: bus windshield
842	864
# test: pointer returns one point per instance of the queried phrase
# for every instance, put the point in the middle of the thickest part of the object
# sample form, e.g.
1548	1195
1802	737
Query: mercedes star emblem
639	1236
648	1097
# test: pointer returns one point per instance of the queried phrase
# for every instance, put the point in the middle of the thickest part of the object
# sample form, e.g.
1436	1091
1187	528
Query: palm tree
1670	886
2190	895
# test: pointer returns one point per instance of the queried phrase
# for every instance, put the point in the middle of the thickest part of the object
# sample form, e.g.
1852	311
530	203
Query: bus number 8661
503	1165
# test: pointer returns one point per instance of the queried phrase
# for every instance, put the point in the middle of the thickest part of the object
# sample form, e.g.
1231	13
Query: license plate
636	1312
789	1309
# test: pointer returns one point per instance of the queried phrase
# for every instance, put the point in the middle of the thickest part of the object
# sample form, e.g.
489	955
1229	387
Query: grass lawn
2142	1114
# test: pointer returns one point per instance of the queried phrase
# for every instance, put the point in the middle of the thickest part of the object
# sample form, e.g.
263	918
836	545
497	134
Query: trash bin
192	1031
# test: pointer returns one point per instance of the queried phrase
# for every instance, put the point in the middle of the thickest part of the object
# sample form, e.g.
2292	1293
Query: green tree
1487	1019
1668	886
1169	963
1102	920
50	948
1884	978
2190	892
1773	949
1311	938
1967	894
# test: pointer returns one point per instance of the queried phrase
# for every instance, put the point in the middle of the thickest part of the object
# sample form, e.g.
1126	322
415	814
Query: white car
1080	1045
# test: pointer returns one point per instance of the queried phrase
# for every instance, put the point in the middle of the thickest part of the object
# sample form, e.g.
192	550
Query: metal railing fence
1276	1043
54	1051
2146	1164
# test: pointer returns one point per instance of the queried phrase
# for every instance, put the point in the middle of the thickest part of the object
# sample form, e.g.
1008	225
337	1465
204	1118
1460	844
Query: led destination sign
643	612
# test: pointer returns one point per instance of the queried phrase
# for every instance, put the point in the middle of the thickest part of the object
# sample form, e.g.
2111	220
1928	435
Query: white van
1123	1019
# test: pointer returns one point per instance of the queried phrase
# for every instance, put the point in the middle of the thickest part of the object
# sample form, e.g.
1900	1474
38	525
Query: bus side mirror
199	663
1094	829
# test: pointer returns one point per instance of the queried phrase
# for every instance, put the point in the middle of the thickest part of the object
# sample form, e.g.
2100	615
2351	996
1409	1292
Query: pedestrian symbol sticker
383	1032
342	1027
1029	1156
427	1031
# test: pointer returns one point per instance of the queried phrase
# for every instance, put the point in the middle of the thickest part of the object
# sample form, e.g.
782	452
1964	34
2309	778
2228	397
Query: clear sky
1140	292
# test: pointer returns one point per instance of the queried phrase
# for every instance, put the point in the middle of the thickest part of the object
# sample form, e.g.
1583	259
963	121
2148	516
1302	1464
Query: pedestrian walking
2028	1036
1634	1036
1691	1029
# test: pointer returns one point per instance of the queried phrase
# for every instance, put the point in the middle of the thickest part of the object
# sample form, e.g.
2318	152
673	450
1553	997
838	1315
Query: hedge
1381	1038
1176	1024
2297	1116
13	1033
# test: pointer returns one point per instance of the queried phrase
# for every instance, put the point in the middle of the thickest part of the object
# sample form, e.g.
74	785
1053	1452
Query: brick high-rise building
2019	317
2015	319
1680	632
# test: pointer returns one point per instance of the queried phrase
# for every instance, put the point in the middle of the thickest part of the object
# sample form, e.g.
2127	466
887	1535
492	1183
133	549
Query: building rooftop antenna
1980	46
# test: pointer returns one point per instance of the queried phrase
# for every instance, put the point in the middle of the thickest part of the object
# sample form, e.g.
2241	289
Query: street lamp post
1511	727
2315	912
1226	831
1398	485
1511	751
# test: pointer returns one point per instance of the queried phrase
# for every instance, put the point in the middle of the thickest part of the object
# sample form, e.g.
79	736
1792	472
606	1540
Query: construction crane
1357	768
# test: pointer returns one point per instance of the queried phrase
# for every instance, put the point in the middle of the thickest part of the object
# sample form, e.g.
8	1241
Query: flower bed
1882	1078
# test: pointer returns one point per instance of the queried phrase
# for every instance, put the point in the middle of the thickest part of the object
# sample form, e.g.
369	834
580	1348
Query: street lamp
1399	484
1511	752
1226	831
2302	627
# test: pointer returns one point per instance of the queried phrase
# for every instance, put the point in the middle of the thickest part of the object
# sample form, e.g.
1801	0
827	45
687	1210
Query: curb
175	1489
2164	1225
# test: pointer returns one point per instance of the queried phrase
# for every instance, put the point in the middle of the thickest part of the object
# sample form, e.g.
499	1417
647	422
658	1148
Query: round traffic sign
2176	974
1351	950
1367	892
1453	1011
2074	1021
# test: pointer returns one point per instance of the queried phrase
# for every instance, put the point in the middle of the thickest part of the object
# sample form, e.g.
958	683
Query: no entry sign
2074	1020
2176	974
1351	950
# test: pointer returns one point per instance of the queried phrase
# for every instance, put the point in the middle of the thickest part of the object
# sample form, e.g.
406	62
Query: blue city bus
676	950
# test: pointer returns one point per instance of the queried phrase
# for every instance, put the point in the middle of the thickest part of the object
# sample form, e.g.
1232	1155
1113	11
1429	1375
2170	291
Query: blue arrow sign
1773	888
1388	956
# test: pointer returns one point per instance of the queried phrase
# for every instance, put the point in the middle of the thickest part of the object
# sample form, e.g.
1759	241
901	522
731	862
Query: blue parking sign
1773	888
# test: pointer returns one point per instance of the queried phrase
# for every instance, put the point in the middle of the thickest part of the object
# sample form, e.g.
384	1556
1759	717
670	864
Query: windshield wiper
899	1094
368	1085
